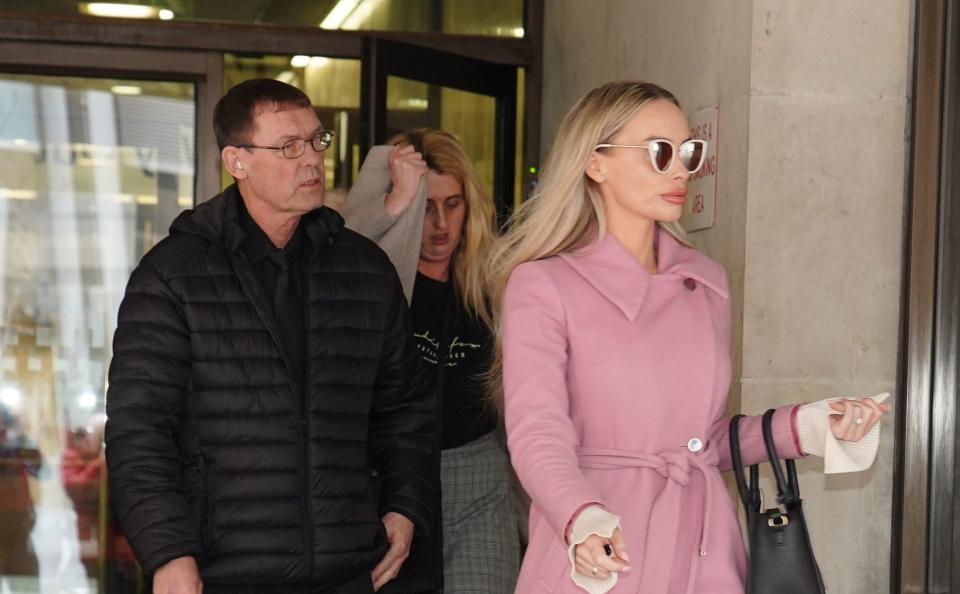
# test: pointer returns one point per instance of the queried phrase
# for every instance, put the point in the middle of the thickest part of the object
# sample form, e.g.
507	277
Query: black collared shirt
258	247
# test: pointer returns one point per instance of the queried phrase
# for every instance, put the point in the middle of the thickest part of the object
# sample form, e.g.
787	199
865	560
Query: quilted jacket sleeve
148	377
403	422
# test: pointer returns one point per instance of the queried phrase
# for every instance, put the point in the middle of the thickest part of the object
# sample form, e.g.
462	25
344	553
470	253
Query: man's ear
232	159
595	169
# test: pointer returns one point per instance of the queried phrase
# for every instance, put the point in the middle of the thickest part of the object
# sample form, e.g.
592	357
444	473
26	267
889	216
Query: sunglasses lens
691	155
661	153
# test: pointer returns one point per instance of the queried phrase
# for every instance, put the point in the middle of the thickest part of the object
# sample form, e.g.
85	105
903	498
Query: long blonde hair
567	202
445	155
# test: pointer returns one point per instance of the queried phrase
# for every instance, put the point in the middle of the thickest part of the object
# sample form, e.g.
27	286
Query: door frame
384	58
925	478
218	38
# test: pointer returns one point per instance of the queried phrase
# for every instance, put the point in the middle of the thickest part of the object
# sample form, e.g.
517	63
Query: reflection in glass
92	172
498	18
19	460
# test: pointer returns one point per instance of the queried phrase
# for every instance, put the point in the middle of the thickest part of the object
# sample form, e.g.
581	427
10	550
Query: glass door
94	166
408	86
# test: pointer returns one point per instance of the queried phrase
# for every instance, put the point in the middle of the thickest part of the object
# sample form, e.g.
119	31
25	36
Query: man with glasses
269	429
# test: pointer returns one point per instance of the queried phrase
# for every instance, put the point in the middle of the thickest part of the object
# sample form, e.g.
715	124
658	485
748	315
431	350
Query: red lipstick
675	197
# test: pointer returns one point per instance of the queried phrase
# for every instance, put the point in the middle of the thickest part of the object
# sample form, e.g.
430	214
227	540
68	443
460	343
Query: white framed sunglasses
662	152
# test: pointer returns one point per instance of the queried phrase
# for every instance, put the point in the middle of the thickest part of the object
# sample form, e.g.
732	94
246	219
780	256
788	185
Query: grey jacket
364	212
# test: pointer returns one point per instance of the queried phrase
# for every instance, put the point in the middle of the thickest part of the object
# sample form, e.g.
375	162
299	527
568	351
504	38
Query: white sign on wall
700	210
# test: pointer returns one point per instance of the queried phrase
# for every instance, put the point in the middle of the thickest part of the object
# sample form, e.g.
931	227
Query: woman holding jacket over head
438	239
614	348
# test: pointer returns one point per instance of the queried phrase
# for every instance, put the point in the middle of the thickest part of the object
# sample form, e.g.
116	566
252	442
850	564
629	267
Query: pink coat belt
667	509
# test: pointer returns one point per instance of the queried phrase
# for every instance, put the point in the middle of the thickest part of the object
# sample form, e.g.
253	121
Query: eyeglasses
292	149
662	153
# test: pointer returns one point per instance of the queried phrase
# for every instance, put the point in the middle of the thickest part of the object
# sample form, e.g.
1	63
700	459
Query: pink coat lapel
612	271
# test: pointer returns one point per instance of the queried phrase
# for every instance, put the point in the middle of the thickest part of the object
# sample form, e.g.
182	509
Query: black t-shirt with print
467	415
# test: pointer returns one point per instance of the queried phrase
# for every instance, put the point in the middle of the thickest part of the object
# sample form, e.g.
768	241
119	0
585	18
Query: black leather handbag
781	557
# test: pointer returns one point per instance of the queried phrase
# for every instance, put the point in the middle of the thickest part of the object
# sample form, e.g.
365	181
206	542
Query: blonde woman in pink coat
614	337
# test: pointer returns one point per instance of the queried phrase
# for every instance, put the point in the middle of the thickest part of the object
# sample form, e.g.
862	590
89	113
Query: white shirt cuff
592	520
816	438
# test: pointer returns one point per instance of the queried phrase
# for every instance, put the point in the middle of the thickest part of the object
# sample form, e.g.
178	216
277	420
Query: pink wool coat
615	383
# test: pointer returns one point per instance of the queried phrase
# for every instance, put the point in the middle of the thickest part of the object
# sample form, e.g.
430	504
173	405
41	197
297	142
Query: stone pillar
824	228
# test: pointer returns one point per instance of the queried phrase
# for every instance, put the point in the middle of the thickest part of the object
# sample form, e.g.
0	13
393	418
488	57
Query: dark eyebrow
291	137
649	138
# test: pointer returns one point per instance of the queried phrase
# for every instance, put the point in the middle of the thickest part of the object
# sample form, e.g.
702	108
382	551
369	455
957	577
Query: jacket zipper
304	425
251	289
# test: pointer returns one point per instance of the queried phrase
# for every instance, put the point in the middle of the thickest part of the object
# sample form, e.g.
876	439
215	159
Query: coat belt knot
676	467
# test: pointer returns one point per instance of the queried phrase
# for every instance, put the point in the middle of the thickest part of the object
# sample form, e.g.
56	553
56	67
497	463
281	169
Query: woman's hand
855	417
406	168
592	559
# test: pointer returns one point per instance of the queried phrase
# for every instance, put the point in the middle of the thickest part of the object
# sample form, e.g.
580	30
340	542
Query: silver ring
594	570
858	421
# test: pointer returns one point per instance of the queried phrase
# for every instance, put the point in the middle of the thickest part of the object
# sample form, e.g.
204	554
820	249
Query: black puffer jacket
212	453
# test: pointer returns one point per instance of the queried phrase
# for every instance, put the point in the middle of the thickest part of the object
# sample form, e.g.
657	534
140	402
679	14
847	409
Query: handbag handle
749	493
788	489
